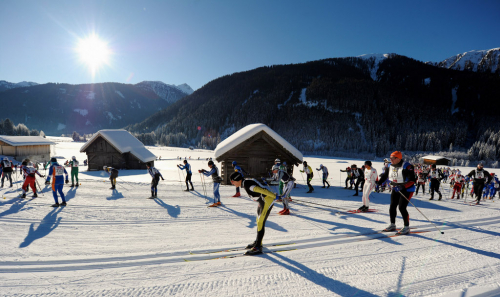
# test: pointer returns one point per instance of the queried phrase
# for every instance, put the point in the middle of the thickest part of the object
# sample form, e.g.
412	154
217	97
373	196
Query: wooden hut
438	160
118	149
254	148
35	148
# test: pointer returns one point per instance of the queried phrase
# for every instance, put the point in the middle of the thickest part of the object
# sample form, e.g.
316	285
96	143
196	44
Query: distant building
118	149
35	148
438	160
255	147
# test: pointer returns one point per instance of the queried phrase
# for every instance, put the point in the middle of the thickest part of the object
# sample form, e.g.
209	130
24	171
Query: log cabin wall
101	153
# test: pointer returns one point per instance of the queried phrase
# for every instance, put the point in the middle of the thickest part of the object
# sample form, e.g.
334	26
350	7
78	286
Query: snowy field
106	243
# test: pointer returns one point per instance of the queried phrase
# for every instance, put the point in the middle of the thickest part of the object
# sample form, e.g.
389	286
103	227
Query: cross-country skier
308	170
238	168
57	173
113	175
216	179
288	182
30	180
265	198
420	183
436	176
155	174
7	168
325	175
74	171
358	174
370	176
481	177
348	178
403	181
459	181
187	167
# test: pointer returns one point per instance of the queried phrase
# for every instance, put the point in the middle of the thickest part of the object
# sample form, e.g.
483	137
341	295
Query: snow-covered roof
246	132
430	157
123	142
25	140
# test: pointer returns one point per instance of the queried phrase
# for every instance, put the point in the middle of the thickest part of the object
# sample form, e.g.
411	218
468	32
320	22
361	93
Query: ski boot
23	195
72	185
63	203
254	251
35	195
285	212
251	245
391	227
55	205
440	197
237	194
404	231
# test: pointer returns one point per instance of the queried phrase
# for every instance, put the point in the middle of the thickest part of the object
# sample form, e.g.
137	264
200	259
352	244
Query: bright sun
93	52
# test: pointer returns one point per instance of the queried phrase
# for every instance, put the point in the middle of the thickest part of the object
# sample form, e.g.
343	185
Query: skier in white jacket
370	183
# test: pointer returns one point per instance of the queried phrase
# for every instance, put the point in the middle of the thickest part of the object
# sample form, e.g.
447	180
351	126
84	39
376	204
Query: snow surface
375	60
124	142
91	95
249	131
117	243
82	112
120	94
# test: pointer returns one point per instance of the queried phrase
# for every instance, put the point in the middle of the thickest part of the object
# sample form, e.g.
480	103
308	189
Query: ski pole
39	188
178	171
420	212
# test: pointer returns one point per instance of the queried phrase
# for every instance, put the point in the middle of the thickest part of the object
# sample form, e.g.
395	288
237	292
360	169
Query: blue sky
196	41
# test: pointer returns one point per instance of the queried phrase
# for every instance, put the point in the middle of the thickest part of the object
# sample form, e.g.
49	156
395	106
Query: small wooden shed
438	160
118	149
35	148
254	148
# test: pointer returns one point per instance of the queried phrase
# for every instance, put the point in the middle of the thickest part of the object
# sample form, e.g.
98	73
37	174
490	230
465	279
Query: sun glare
93	52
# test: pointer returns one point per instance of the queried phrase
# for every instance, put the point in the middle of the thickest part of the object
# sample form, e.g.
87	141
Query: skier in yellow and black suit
265	198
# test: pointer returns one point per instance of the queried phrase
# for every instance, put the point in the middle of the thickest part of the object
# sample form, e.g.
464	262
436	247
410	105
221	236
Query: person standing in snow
459	181
436	177
288	182
358	174
420	183
30	180
370	175
155	174
7	168
113	175
240	170
308	170
74	171
348	178
187	167
265	198
57	173
216	179
403	181
325	175
480	178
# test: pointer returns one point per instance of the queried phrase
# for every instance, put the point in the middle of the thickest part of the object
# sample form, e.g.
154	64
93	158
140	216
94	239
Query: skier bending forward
265	198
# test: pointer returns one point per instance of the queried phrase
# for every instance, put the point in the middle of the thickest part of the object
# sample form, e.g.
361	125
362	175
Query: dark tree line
7	127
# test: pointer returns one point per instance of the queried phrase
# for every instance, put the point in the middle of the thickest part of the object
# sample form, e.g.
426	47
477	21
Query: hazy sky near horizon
196	41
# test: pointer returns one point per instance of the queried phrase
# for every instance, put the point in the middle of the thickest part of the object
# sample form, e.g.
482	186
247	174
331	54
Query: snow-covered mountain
476	60
170	93
5	85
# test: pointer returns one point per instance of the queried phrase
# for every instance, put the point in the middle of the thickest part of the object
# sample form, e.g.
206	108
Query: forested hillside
338	105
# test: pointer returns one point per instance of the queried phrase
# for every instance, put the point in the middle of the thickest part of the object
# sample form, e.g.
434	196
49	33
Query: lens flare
93	52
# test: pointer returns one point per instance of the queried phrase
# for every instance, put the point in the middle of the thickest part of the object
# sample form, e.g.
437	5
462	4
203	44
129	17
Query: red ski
360	211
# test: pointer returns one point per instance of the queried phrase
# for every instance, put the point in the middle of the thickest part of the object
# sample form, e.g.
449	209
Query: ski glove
396	188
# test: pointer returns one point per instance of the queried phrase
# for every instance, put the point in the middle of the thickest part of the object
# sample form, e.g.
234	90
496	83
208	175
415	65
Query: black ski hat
369	163
210	162
148	164
53	160
433	166
236	176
